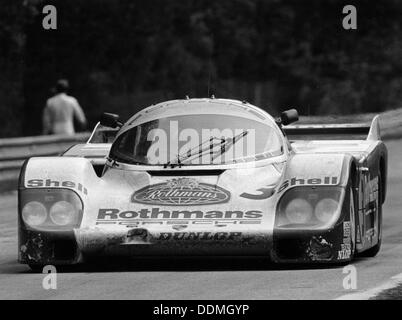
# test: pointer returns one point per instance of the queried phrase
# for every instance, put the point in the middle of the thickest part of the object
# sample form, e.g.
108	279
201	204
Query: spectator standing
61	110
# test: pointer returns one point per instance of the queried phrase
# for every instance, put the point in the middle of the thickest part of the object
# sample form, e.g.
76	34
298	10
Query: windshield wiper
225	144
189	153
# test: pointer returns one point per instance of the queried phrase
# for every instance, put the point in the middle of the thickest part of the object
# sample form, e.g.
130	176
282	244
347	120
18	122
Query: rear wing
347	131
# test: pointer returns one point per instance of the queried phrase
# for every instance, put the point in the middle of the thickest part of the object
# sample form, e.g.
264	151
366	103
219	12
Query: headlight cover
325	208
63	213
298	211
34	213
50	209
309	207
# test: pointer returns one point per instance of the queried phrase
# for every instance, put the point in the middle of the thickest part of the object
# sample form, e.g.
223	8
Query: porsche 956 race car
207	177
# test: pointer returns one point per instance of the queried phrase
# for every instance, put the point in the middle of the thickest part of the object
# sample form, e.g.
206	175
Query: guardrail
14	151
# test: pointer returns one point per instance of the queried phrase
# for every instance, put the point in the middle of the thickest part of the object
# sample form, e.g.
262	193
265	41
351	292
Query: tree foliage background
122	55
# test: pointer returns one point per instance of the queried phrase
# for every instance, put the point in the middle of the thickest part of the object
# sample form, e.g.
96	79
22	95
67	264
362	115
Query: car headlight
34	213
309	207
325	209
63	213
299	211
50	209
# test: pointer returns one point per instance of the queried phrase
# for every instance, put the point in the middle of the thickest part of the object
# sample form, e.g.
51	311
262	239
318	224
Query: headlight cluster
309	207
50	209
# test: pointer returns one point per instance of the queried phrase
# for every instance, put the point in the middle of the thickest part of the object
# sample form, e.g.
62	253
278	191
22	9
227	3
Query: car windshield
197	140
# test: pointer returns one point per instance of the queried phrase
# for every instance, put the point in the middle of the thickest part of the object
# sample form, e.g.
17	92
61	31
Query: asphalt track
207	279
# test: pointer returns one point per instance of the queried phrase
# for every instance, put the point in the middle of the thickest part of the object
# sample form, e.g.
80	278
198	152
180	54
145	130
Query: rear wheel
372	252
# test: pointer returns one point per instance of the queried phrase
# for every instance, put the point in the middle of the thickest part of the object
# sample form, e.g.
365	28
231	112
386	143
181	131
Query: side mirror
289	116
110	120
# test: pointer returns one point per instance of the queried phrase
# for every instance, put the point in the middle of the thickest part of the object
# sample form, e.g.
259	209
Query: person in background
61	110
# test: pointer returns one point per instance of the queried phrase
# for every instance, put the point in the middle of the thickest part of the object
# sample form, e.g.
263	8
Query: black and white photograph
219	151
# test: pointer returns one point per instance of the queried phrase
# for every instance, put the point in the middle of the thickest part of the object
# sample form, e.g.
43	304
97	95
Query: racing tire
372	252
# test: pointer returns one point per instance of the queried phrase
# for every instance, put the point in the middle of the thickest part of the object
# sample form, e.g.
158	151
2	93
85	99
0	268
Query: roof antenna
209	76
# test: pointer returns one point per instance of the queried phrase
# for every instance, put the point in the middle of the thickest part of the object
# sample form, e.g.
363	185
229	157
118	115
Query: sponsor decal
262	193
37	183
199	236
345	252
177	219
371	193
312	181
346	229
176	224
156	213
181	192
346	245
179	227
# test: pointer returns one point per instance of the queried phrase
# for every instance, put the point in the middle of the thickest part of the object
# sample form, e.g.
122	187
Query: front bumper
313	246
63	248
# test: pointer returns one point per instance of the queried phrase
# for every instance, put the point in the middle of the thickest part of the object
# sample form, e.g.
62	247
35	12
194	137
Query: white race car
206	177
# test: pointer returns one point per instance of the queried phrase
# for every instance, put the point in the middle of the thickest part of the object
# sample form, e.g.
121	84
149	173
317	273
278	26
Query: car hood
234	198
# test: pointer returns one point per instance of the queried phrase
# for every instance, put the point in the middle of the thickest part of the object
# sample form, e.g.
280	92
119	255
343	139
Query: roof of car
198	106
